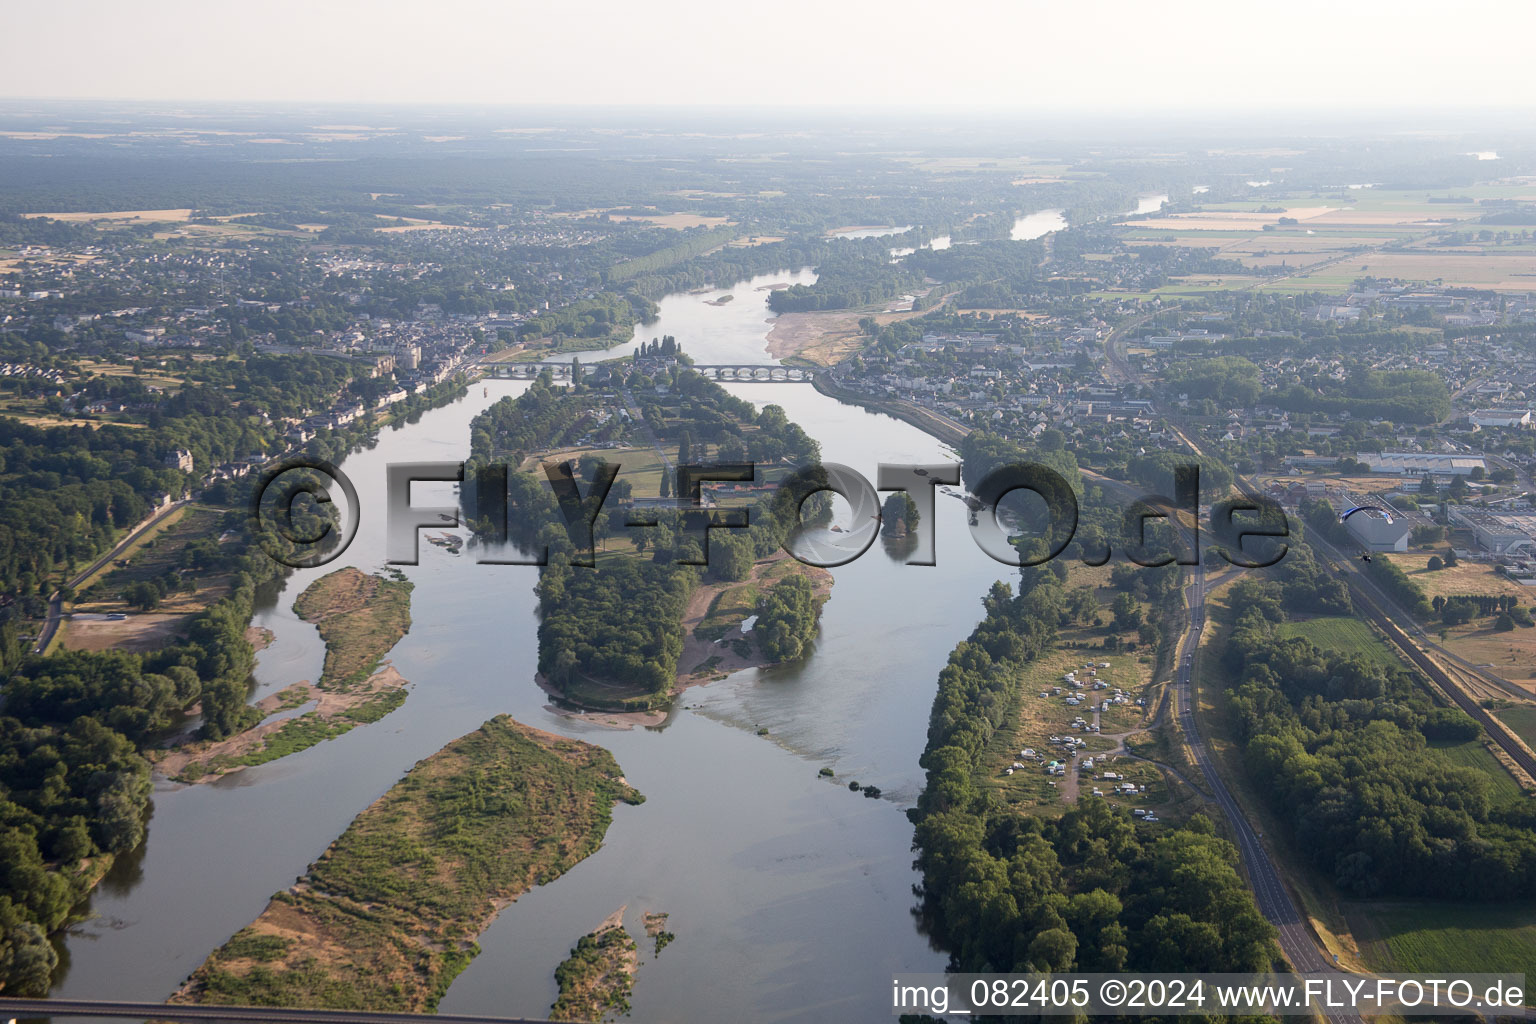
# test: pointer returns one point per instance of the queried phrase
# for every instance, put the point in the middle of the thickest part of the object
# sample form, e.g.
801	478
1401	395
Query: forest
1345	750
1090	890
74	786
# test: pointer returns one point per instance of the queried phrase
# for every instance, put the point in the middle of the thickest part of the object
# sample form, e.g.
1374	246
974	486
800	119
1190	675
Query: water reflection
791	896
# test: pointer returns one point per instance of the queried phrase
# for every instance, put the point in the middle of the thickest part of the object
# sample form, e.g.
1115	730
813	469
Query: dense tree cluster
846	281
1342	748
787	619
1231	381
1088	891
621	622
899	515
607	315
1403	396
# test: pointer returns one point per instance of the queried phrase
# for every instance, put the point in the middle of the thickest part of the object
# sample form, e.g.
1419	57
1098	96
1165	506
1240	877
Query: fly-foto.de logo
294	513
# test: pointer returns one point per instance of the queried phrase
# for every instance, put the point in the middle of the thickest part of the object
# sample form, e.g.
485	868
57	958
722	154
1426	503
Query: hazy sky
1100	54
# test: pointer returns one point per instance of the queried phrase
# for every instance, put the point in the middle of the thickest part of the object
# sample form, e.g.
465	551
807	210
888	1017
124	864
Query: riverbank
334	713
389	914
713	644
259	638
824	337
360	617
929	422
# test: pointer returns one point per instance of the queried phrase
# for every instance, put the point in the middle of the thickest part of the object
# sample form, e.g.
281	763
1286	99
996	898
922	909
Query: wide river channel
790	896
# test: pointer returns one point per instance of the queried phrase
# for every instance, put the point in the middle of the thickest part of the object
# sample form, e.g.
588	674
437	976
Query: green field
1472	754
1343	634
1432	937
1523	721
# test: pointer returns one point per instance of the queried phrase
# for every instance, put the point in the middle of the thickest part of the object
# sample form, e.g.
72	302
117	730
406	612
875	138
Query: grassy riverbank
389	915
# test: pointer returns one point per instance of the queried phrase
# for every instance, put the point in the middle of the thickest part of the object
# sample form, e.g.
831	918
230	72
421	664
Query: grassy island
621	606
597	978
389	915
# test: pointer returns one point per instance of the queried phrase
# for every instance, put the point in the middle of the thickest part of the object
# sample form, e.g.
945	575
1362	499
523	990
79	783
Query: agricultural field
149	376
1510	655
1341	633
677	221
1439	937
639	464
1472	754
1346	233
1522	721
34	413
174	216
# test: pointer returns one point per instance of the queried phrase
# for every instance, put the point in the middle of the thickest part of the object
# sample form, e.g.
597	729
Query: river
790	895
1036	225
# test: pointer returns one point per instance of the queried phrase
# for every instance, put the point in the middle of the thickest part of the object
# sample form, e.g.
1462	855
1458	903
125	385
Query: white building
1500	417
1498	534
1421	463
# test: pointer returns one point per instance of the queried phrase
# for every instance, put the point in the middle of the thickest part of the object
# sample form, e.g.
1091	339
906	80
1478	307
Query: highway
1273	898
56	602
23	1008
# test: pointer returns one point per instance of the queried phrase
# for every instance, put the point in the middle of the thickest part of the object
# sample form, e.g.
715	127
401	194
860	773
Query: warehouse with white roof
1421	463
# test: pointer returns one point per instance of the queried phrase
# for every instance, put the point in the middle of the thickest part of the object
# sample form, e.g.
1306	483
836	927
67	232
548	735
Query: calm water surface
790	896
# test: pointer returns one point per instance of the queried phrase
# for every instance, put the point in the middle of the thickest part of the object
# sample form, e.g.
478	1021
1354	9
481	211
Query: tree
730	555
1127	612
27	958
1053	950
1434	564
1504	623
898	515
143	595
786	619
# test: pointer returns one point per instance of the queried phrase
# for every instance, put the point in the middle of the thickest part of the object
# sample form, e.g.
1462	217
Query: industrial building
1498	534
1421	463
1500	417
1376	533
